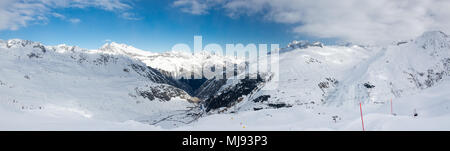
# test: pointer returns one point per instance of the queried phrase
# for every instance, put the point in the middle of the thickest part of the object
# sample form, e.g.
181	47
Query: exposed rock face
232	94
209	88
262	98
327	86
163	93
304	44
156	76
427	79
194	85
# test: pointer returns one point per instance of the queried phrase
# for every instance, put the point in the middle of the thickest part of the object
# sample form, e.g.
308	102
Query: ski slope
432	107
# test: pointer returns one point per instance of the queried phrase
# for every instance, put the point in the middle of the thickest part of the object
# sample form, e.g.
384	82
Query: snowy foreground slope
432	106
62	80
319	88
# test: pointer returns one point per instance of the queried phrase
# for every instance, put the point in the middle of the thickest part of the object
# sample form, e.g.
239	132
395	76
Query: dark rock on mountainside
262	98
368	85
233	94
161	92
209	88
156	76
194	84
279	105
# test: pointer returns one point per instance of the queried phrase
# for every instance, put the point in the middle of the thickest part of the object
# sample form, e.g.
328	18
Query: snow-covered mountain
316	87
59	80
315	75
174	63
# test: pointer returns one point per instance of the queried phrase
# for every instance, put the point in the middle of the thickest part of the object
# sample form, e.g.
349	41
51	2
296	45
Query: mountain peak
433	35
115	46
15	43
118	48
433	38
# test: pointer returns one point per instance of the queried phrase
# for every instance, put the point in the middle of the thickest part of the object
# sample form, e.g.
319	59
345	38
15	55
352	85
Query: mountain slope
344	76
62	79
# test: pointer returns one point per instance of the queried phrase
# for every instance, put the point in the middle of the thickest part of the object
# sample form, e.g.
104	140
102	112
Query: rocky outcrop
232	94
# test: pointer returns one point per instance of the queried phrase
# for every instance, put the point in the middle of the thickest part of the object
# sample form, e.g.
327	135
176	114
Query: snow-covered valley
119	87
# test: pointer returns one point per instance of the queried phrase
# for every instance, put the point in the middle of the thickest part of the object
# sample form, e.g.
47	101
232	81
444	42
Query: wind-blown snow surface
319	88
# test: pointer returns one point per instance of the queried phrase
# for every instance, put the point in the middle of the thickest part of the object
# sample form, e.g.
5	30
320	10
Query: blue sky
157	27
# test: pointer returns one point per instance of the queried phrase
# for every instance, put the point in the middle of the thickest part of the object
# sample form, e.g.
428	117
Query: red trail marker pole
362	120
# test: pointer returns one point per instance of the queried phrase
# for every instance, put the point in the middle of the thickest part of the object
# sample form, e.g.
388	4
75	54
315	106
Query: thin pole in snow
391	107
362	120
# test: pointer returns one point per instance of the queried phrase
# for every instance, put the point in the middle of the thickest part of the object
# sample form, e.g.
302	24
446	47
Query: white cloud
130	16
192	6
109	5
58	15
364	21
15	14
196	7
74	20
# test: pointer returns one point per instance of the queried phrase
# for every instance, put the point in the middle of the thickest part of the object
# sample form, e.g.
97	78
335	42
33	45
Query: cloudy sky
157	25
